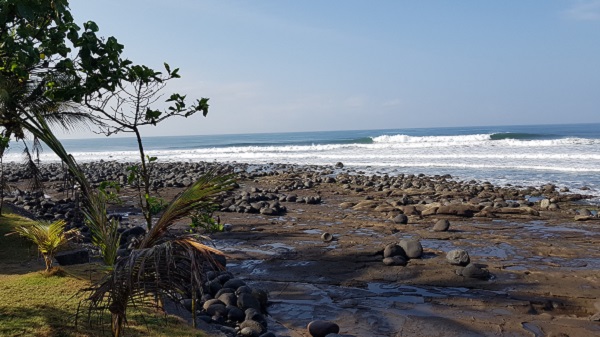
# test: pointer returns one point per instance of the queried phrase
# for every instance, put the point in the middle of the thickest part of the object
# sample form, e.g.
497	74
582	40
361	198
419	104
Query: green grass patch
33	303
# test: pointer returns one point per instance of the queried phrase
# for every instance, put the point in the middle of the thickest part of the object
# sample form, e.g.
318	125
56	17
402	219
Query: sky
312	65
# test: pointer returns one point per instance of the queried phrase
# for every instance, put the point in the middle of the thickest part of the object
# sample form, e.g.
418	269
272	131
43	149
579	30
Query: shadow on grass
43	320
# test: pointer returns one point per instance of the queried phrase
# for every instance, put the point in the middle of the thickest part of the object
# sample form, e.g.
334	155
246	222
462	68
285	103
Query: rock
458	257
217	309
235	314
227	298
339	164
395	261
346	205
253	326
473	271
211	302
393	249
441	226
234	283
243	290
429	211
246	301
465	210
134	231
595	317
71	257
326	237
544	203
400	219
255	315
262	296
412	248
248	332
366	205
322	328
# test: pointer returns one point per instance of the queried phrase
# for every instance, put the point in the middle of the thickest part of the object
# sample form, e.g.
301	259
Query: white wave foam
432	139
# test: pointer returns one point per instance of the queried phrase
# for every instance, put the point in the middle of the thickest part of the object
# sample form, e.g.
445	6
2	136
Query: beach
533	250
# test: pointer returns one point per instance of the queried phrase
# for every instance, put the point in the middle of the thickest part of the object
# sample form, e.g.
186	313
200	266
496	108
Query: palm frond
199	195
166	270
32	168
105	233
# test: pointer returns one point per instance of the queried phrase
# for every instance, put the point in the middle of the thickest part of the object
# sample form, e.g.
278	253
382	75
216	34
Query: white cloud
584	11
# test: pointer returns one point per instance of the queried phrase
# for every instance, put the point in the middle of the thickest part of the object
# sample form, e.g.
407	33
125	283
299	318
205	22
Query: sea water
566	155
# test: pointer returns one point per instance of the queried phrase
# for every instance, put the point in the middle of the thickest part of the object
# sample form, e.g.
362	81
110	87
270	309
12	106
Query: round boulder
322	328
252	326
473	271
400	219
393	250
441	226
458	257
246	301
412	248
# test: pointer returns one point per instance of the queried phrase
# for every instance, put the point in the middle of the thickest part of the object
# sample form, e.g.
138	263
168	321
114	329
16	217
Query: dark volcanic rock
71	257
322	328
400	219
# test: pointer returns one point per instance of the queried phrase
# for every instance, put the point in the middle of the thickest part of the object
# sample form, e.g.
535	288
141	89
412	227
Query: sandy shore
543	265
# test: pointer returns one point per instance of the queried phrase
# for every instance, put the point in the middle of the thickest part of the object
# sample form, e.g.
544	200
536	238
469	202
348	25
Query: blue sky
278	66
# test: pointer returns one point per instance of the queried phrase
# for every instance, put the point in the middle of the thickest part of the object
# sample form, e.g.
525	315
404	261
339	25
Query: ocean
532	155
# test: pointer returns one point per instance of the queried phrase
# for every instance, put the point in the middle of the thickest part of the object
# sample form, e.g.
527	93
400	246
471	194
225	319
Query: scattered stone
322	328
394	249
246	301
412	248
326	237
473	271
72	257
253	326
441	225
235	314
458	257
400	219
544	203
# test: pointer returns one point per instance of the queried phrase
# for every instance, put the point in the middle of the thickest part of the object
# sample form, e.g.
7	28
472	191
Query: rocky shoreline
350	231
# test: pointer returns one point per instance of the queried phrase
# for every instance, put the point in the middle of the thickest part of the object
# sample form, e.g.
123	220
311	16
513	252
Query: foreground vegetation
34	303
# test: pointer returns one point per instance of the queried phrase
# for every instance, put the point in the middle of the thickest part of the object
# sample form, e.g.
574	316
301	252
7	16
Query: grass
33	303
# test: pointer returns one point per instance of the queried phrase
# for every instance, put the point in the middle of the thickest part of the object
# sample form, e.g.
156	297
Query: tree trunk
116	324
145	175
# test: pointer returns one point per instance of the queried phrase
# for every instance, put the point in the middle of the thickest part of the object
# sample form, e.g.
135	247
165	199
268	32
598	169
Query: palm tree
162	265
49	237
26	112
